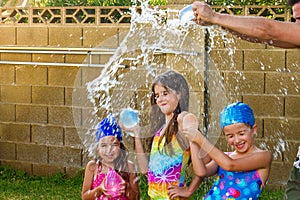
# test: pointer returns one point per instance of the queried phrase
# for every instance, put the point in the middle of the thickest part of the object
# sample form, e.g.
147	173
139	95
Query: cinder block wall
37	130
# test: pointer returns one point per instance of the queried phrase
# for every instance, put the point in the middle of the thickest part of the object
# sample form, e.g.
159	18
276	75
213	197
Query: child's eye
165	93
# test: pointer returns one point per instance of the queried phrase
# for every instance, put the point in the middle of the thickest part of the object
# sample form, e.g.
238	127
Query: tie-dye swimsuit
165	170
98	180
235	186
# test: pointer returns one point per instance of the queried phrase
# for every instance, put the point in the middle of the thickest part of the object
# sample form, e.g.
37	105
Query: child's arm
257	160
141	156
188	120
87	193
133	191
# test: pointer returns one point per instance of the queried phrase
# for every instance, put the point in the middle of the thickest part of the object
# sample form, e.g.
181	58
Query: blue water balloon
129	117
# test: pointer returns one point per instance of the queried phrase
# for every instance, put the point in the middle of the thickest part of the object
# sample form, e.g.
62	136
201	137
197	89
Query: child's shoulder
92	165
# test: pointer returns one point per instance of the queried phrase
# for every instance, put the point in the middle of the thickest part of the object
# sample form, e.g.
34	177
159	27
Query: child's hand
192	134
176	191
135	129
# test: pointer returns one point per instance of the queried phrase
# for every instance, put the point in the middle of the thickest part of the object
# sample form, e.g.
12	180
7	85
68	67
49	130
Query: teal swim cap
236	113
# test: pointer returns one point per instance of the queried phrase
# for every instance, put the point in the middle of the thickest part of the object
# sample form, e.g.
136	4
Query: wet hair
292	2
175	81
121	162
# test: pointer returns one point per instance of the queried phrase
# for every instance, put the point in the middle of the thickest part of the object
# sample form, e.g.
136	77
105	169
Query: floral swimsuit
165	170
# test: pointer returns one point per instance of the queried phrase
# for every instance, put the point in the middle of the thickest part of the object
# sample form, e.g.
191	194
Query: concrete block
235	42
31	114
100	36
262	60
15	132
79	59
7	151
7	35
244	82
32	36
293	60
22	166
7	112
104	59
46	170
7	74
292	105
48	95
16	94
75	171
224	59
61	115
65	156
72	138
279	173
65	37
47	135
282	83
89	74
52	58
62	76
77	97
25	57
265	105
284	129
31	75
122	34
32	153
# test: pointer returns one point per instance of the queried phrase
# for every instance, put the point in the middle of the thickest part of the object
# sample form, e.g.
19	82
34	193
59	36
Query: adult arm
253	29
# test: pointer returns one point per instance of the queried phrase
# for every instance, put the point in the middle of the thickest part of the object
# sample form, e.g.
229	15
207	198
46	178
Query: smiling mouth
297	17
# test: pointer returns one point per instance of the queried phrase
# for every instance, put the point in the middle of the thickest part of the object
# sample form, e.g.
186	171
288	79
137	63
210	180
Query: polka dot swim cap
108	127
236	113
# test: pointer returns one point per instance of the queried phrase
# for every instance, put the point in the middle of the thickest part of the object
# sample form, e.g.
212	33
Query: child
112	154
170	150
241	174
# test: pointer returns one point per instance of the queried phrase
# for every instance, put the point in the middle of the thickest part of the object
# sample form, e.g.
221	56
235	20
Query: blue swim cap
108	127
236	113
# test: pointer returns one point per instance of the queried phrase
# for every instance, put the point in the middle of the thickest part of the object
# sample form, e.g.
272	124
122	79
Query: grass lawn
17	185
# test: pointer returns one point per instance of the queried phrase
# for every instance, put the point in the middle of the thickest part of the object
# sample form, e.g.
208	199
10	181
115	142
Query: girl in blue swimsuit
241	174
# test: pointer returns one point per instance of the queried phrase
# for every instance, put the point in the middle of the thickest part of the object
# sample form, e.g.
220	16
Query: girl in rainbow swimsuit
241	174
169	156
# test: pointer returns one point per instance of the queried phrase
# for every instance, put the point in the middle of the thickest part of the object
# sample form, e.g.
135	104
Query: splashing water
156	42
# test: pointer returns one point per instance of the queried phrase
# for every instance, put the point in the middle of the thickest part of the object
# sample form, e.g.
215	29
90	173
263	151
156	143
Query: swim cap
108	127
236	113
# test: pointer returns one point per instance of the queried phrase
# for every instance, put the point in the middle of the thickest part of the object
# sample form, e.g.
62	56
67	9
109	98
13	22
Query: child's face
109	149
240	136
166	99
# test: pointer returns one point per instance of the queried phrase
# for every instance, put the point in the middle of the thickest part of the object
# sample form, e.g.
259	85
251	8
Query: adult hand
204	14
176	191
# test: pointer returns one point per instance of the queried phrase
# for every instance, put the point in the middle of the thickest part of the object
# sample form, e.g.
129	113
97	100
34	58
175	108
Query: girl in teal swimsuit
241	174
